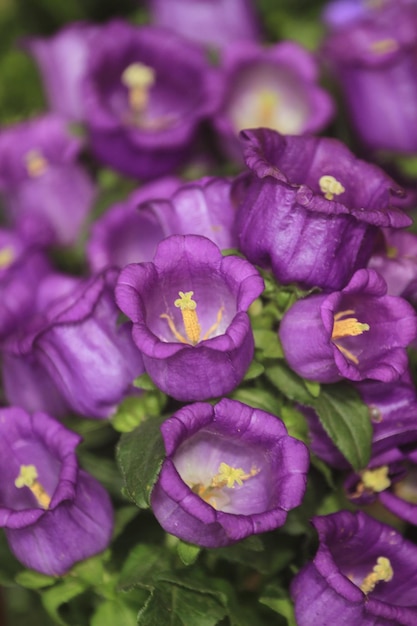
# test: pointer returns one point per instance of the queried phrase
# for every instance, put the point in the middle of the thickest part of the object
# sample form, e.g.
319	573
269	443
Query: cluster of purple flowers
162	296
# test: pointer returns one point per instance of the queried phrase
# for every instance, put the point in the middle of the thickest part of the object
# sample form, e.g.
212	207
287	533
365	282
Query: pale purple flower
356	333
47	194
253	473
54	514
363	574
189	313
275	87
62	59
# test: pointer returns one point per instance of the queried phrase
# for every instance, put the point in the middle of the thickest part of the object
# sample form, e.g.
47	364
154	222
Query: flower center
138	78
190	320
383	46
374	480
225	478
346	326
7	257
268	102
28	477
36	164
330	186
382	572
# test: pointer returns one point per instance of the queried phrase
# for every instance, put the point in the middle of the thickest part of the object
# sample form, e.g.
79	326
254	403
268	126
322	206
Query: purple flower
253	473
396	260
309	208
47	194
71	352
146	92
53	513
126	233
202	207
273	87
62	59
189	314
356	333
22	267
207	22
374	59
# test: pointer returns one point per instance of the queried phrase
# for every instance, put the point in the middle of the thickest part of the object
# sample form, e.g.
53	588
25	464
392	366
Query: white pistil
330	186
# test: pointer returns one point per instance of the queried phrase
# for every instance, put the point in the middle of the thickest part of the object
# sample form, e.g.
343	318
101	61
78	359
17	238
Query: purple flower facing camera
54	514
363	574
145	93
356	333
309	209
253	473
189	313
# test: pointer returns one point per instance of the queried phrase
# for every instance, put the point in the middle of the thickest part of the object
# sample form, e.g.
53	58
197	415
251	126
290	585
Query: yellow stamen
138	78
348	327
382	572
190	320
392	252
36	164
7	257
330	186
28	477
376	479
383	46
268	101
226	477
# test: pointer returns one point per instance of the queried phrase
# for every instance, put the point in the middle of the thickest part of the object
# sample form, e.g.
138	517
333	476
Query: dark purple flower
47	194
62	59
356	333
189	313
213	23
146	92
310	209
126	233
363	574
53	513
22	267
72	352
374	58
274	87
253	473
202	207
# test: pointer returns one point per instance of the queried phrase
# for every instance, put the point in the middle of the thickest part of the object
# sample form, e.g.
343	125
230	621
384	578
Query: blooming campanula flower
253	473
395	258
363	574
189	313
54	514
146	92
129	233
62	59
214	24
374	58
356	333
309	209
72	344
274	87
47	194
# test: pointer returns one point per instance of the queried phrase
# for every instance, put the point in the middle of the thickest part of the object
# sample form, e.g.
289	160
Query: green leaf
140	455
34	580
179	606
136	409
54	598
277	600
145	382
144	563
114	612
123	517
313	388
187	552
254	371
288	383
345	419
258	399
295	423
